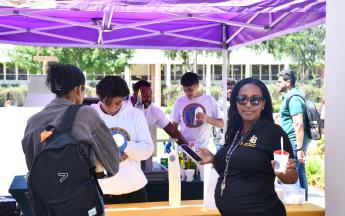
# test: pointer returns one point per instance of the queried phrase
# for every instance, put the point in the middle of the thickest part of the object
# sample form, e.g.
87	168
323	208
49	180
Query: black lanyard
231	150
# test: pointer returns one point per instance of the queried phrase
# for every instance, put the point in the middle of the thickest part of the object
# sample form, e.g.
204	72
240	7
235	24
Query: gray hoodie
88	129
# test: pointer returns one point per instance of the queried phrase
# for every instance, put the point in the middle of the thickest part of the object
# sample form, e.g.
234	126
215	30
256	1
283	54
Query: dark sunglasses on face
254	100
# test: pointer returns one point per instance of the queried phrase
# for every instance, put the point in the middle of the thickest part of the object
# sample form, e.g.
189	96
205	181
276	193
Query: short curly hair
189	79
62	78
112	86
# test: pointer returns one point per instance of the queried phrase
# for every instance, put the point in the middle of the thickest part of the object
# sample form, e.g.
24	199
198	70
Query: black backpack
313	118
62	180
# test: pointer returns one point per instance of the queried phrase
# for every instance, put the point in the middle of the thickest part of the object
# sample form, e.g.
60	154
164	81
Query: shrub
171	94
315	171
16	93
216	92
313	93
315	163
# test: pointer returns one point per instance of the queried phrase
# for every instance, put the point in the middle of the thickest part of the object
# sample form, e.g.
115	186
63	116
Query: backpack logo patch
63	176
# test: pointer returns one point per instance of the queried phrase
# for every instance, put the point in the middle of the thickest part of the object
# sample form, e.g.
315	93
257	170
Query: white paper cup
183	175
280	160
201	171
190	175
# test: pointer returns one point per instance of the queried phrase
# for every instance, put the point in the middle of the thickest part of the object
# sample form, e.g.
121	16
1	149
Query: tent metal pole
232	23
224	75
62	37
241	29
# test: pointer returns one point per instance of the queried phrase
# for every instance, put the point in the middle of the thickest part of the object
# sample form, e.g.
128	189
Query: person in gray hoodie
67	82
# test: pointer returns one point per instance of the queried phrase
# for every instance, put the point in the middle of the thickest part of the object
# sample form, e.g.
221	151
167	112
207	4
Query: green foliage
168	109
315	168
276	97
171	94
108	61
305	48
188	57
22	56
315	171
17	93
216	92
313	93
318	149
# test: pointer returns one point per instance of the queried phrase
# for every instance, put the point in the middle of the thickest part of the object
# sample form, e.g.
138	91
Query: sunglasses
254	100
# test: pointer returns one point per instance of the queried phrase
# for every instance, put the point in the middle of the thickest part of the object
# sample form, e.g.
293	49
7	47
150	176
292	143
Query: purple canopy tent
157	24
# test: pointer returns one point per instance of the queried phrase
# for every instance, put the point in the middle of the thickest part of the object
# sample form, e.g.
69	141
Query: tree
306	49
90	60
188	57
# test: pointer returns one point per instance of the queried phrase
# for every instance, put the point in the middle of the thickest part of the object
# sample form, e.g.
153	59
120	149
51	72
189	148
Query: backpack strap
66	125
289	98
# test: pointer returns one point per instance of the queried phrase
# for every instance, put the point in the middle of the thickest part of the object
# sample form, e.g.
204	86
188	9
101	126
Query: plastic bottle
139	104
174	179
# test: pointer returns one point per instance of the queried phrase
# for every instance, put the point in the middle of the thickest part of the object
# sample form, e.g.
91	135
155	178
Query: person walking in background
130	130
293	119
218	133
245	164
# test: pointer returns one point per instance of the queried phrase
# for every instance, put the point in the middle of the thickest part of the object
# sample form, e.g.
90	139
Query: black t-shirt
250	179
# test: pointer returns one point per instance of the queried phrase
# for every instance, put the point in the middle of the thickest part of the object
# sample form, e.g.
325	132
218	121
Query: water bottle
139	104
174	179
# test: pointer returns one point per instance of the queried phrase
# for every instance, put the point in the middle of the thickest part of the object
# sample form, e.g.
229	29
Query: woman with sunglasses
245	164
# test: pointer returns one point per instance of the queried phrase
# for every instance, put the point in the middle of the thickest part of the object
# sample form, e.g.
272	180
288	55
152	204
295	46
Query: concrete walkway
317	197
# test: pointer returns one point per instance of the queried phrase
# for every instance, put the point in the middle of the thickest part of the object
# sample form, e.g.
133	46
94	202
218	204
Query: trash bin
19	191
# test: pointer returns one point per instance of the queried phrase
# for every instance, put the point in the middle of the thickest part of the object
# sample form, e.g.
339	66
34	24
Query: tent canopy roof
157	24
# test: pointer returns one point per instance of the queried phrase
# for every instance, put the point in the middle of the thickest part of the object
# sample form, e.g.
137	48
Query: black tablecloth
159	190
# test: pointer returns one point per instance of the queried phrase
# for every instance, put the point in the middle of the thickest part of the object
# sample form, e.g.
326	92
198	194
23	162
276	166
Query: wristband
299	149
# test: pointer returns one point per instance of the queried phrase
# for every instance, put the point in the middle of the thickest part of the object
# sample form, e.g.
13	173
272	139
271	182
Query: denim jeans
302	175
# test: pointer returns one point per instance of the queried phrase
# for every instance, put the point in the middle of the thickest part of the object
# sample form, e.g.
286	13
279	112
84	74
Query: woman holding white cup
245	164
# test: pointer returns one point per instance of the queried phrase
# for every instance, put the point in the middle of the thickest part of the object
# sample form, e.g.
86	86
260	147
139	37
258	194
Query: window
1	71
200	72
179	72
22	75
217	72
274	71
172	72
163	71
237	72
265	72
256	71
10	71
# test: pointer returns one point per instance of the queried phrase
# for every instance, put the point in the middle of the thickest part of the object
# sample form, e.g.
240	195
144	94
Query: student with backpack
294	121
62	144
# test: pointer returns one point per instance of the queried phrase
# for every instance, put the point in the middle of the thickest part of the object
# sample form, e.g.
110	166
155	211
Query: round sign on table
120	141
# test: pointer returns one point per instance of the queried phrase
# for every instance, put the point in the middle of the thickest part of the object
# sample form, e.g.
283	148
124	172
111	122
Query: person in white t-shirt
195	112
131	133
154	116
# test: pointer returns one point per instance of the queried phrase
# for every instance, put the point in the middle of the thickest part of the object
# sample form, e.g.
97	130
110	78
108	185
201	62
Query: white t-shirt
184	113
155	118
131	123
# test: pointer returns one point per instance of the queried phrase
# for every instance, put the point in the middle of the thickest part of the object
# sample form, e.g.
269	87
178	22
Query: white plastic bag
210	182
